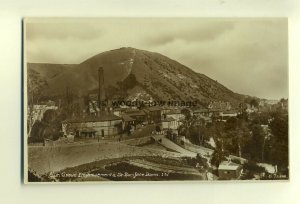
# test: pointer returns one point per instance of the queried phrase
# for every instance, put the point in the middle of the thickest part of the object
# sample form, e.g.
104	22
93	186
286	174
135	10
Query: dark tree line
259	137
48	128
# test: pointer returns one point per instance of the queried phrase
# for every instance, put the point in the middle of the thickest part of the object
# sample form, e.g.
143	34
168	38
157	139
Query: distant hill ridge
134	74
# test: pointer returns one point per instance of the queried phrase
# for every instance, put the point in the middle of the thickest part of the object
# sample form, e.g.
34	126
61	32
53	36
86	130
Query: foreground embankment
55	158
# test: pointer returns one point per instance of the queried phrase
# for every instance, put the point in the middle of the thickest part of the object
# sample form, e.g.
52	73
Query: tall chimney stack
101	91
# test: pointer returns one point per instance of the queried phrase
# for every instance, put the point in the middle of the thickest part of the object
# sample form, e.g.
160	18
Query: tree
217	157
186	123
279	141
128	129
169	134
193	128
187	114
279	127
197	132
35	84
48	128
257	142
157	128
254	103
220	137
241	135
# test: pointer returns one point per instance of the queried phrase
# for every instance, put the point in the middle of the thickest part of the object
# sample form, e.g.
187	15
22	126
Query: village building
103	125
176	114
139	115
228	170
119	111
164	111
219	105
94	105
169	124
202	112
251	108
225	115
215	113
205	119
153	114
271	102
128	121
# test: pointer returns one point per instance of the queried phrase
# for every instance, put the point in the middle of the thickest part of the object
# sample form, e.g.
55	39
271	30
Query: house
228	114
119	111
104	124
228	170
176	114
139	115
202	112
164	111
271	102
251	108
215	113
169	124
127	121
220	105
205	119
153	114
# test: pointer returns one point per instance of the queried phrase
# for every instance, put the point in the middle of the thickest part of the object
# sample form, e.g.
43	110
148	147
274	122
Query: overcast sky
249	56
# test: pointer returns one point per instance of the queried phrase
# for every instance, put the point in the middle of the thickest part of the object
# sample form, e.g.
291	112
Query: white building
169	123
228	114
92	126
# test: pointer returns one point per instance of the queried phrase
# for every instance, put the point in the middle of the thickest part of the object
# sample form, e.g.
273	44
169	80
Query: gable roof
127	118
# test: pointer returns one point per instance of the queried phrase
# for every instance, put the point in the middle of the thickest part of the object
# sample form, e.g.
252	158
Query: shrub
252	166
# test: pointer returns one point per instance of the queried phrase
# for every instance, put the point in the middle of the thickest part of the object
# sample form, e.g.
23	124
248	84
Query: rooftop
127	118
99	118
135	112
174	111
202	110
228	165
168	119
204	117
153	108
230	112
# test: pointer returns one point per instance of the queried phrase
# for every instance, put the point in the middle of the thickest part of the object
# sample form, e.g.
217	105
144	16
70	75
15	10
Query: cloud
188	32
249	56
62	31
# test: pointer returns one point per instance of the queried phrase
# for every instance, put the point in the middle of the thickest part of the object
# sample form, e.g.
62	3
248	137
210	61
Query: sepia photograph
155	99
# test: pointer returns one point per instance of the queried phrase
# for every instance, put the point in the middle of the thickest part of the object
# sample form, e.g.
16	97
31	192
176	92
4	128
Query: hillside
133	73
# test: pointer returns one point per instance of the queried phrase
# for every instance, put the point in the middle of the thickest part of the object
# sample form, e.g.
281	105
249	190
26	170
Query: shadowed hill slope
154	75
